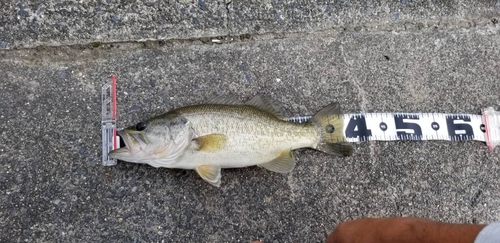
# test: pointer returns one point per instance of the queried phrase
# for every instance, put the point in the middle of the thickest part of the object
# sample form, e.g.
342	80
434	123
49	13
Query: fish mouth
131	143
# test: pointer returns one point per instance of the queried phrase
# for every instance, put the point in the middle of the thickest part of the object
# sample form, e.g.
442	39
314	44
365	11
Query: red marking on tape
113	88
487	136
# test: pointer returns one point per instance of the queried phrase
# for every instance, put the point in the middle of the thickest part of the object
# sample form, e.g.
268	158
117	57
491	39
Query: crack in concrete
355	83
399	27
228	17
363	106
363	102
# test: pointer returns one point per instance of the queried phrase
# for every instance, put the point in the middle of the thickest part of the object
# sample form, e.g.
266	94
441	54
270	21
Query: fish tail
330	125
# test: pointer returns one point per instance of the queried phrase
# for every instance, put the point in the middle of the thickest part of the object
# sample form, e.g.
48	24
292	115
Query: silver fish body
225	133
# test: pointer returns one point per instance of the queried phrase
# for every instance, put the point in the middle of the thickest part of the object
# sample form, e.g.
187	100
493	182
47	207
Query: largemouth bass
226	133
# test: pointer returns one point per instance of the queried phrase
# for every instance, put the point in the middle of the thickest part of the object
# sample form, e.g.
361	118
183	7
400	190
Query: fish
224	132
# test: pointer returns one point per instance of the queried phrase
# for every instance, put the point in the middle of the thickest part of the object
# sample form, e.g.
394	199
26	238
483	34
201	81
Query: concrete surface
54	23
54	189
33	23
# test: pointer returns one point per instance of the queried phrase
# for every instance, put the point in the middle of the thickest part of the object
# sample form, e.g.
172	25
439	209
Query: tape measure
110	140
420	126
357	127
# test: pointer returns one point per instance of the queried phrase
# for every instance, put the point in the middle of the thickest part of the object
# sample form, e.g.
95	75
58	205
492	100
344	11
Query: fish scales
253	136
229	134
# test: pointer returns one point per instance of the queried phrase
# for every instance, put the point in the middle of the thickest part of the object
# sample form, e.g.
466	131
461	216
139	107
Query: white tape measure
357	127
110	140
420	126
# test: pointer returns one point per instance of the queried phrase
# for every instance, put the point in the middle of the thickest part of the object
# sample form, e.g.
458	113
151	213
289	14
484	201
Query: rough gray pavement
54	23
53	187
33	23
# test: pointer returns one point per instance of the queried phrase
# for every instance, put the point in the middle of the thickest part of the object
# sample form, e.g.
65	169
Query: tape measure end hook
491	120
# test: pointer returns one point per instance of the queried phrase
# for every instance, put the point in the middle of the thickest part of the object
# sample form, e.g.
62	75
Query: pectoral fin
284	163
212	142
210	173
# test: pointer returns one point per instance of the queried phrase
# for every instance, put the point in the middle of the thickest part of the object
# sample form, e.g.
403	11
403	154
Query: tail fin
330	125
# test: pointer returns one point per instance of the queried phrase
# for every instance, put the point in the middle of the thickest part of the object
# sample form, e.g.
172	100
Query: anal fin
210	173
340	148
284	163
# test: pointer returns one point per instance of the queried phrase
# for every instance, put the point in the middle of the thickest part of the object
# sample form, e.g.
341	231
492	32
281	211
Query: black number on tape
357	128
459	131
402	125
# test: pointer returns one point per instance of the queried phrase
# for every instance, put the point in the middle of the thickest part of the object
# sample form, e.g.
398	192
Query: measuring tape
420	126
357	127
110	140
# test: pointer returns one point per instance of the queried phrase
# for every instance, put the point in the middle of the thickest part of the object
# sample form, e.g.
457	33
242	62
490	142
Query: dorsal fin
265	104
224	100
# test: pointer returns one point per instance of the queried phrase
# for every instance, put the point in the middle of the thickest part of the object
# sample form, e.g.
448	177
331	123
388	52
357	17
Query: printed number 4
357	128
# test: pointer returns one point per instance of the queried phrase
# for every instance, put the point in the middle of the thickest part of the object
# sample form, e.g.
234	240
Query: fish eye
140	126
330	128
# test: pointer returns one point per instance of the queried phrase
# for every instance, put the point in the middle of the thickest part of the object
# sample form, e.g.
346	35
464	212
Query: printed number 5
402	125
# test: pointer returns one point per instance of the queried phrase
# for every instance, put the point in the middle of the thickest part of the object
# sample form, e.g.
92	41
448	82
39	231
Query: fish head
152	140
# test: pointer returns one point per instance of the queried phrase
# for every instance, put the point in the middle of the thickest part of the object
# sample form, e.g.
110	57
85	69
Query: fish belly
241	151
